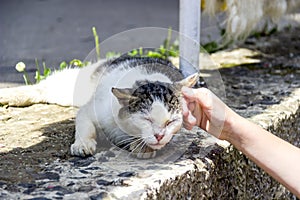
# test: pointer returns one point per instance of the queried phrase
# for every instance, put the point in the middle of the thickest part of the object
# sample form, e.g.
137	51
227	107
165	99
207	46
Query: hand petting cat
204	109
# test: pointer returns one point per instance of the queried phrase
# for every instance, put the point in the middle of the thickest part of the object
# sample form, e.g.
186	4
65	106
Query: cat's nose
158	137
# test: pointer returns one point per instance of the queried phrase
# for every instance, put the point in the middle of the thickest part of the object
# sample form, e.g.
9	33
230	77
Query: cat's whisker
141	142
126	146
146	154
138	141
121	139
132	142
126	140
143	145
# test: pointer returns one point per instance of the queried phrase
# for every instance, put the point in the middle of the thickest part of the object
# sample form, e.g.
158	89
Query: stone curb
210	168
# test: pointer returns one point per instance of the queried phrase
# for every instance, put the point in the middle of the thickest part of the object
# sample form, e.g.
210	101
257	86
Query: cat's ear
123	95
189	81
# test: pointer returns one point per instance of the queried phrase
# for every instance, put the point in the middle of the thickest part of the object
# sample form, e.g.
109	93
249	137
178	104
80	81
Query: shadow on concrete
24	165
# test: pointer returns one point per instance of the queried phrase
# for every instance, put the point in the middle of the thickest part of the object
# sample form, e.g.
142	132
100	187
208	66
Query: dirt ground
39	134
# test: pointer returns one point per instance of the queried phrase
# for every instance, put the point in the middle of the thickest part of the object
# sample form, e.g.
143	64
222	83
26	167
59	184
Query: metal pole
189	40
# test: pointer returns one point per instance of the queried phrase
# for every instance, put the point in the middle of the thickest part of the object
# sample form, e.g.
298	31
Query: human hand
204	109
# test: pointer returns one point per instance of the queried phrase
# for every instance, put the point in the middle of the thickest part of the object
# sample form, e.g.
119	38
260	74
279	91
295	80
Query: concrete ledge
209	169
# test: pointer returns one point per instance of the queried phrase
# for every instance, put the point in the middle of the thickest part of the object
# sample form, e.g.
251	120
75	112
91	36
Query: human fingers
185	109
201	95
188	119
189	122
188	94
191	106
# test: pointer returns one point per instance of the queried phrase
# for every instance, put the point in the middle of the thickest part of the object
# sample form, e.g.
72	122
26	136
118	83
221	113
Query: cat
134	101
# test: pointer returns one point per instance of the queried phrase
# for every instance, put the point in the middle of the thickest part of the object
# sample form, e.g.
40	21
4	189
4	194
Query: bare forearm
277	157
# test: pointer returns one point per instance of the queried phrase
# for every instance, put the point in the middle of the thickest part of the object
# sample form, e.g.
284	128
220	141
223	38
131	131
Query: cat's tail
21	96
70	87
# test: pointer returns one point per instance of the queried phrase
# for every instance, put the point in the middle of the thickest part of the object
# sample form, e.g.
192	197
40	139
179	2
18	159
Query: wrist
231	127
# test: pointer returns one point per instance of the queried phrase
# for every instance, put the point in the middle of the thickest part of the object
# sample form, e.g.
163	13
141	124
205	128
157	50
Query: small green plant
96	38
265	32
166	50
46	72
112	54
43	72
211	47
21	67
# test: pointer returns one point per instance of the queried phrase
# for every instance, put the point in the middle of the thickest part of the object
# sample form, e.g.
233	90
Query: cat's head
151	111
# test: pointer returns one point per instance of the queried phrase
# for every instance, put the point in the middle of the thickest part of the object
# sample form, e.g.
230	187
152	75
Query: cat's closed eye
148	119
169	122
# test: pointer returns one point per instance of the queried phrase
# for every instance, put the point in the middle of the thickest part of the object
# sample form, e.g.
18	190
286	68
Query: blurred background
61	30
56	30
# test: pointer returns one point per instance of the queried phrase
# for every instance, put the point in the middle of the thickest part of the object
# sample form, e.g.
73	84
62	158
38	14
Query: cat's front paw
83	148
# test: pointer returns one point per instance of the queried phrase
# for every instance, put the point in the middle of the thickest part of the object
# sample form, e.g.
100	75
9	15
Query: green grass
42	72
166	50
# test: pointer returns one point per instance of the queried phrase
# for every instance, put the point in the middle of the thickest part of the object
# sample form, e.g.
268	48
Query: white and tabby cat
136	102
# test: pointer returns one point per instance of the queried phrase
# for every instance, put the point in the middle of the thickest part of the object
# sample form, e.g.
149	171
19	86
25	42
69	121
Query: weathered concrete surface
35	140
